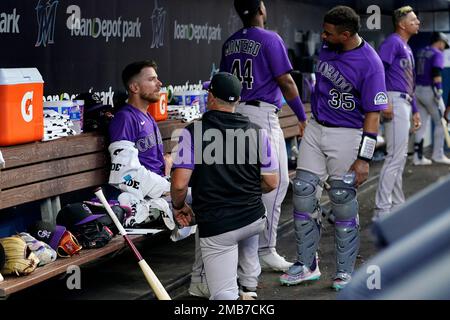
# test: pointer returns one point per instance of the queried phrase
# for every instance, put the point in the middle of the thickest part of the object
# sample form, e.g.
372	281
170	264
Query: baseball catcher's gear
19	260
93	235
345	210
306	216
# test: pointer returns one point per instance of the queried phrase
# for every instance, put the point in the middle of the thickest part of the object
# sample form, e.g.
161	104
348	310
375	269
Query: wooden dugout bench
42	171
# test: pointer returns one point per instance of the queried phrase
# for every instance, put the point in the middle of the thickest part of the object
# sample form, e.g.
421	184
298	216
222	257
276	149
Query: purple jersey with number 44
348	85
257	57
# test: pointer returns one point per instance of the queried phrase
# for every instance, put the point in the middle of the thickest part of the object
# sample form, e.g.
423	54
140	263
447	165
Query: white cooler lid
20	76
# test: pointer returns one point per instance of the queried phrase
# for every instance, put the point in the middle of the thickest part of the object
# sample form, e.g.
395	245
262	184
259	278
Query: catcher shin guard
345	209
306	214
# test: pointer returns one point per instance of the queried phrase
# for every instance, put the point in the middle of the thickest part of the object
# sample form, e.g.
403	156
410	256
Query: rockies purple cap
246	8
48	233
75	214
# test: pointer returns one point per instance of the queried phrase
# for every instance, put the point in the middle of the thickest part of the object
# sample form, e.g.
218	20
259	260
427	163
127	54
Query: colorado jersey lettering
348	85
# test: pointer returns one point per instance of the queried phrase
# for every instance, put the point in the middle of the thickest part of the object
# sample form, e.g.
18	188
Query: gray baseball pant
230	255
429	106
266	117
390	187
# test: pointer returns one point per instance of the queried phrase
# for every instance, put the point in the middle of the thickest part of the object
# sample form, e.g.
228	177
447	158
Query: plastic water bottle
349	178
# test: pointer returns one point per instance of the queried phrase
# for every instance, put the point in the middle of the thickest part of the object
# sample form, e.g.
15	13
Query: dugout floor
119	277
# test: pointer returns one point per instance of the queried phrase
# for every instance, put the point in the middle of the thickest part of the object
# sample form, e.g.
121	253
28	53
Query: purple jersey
348	85
257	57
428	58
399	62
133	125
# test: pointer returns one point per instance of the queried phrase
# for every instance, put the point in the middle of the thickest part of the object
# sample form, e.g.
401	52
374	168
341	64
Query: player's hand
417	121
446	113
361	169
183	216
388	114
301	128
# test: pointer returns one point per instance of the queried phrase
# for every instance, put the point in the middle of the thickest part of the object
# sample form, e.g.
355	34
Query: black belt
406	96
257	103
326	124
254	103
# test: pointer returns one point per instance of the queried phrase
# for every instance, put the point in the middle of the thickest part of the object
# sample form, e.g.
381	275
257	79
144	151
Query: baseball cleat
341	280
299	273
274	262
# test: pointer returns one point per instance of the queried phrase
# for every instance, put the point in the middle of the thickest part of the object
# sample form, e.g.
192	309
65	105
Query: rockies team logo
46	18
158	23
380	98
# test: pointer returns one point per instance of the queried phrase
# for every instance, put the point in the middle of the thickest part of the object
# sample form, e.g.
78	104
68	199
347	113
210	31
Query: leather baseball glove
19	260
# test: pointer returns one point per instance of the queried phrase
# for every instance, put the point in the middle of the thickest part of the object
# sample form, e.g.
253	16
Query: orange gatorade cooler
158	110
21	106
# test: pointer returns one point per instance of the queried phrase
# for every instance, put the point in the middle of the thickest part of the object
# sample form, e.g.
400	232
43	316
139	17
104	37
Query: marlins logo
381	98
158	24
46	17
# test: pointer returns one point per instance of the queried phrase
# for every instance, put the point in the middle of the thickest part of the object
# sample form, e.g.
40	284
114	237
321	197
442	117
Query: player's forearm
371	122
179	187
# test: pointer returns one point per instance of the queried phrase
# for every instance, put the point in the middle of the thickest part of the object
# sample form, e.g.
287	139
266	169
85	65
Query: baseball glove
19	260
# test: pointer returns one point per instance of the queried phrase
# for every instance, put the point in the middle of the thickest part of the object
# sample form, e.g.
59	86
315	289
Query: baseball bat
152	280
446	134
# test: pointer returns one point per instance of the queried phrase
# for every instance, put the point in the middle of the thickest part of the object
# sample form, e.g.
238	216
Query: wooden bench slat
36	152
291	132
14	284
51	188
52	169
288	122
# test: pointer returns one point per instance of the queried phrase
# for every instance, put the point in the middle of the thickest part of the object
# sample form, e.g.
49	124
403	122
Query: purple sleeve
269	161
122	127
184	154
387	51
373	92
414	105
297	106
277	56
438	61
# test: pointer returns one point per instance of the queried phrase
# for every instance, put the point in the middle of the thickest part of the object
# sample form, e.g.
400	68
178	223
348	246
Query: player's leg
423	101
248	266
342	150
306	188
199	285
397	134
438	143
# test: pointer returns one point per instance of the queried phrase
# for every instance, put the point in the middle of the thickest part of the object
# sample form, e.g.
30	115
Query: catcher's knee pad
343	200
305	187
306	213
345	210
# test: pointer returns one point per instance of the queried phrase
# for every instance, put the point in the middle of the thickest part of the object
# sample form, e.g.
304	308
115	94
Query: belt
405	96
326	124
254	103
257	103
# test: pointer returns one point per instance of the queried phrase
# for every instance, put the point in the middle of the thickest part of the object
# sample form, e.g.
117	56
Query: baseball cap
436	36
48	233
246	7
226	87
75	214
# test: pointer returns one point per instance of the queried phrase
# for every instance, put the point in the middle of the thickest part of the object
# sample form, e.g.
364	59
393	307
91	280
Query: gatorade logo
27	106
162	104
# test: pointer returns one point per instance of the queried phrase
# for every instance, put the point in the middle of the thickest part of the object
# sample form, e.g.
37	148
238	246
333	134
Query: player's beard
334	46
151	97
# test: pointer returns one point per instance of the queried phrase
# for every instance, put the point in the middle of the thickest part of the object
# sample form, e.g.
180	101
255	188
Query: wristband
367	146
297	106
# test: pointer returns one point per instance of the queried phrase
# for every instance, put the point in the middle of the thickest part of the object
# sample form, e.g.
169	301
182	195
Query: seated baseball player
138	165
226	160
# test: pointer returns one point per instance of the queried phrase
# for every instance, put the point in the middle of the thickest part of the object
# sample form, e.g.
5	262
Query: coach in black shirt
227	161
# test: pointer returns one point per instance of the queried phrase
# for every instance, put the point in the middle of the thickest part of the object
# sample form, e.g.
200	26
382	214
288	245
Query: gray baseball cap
439	36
